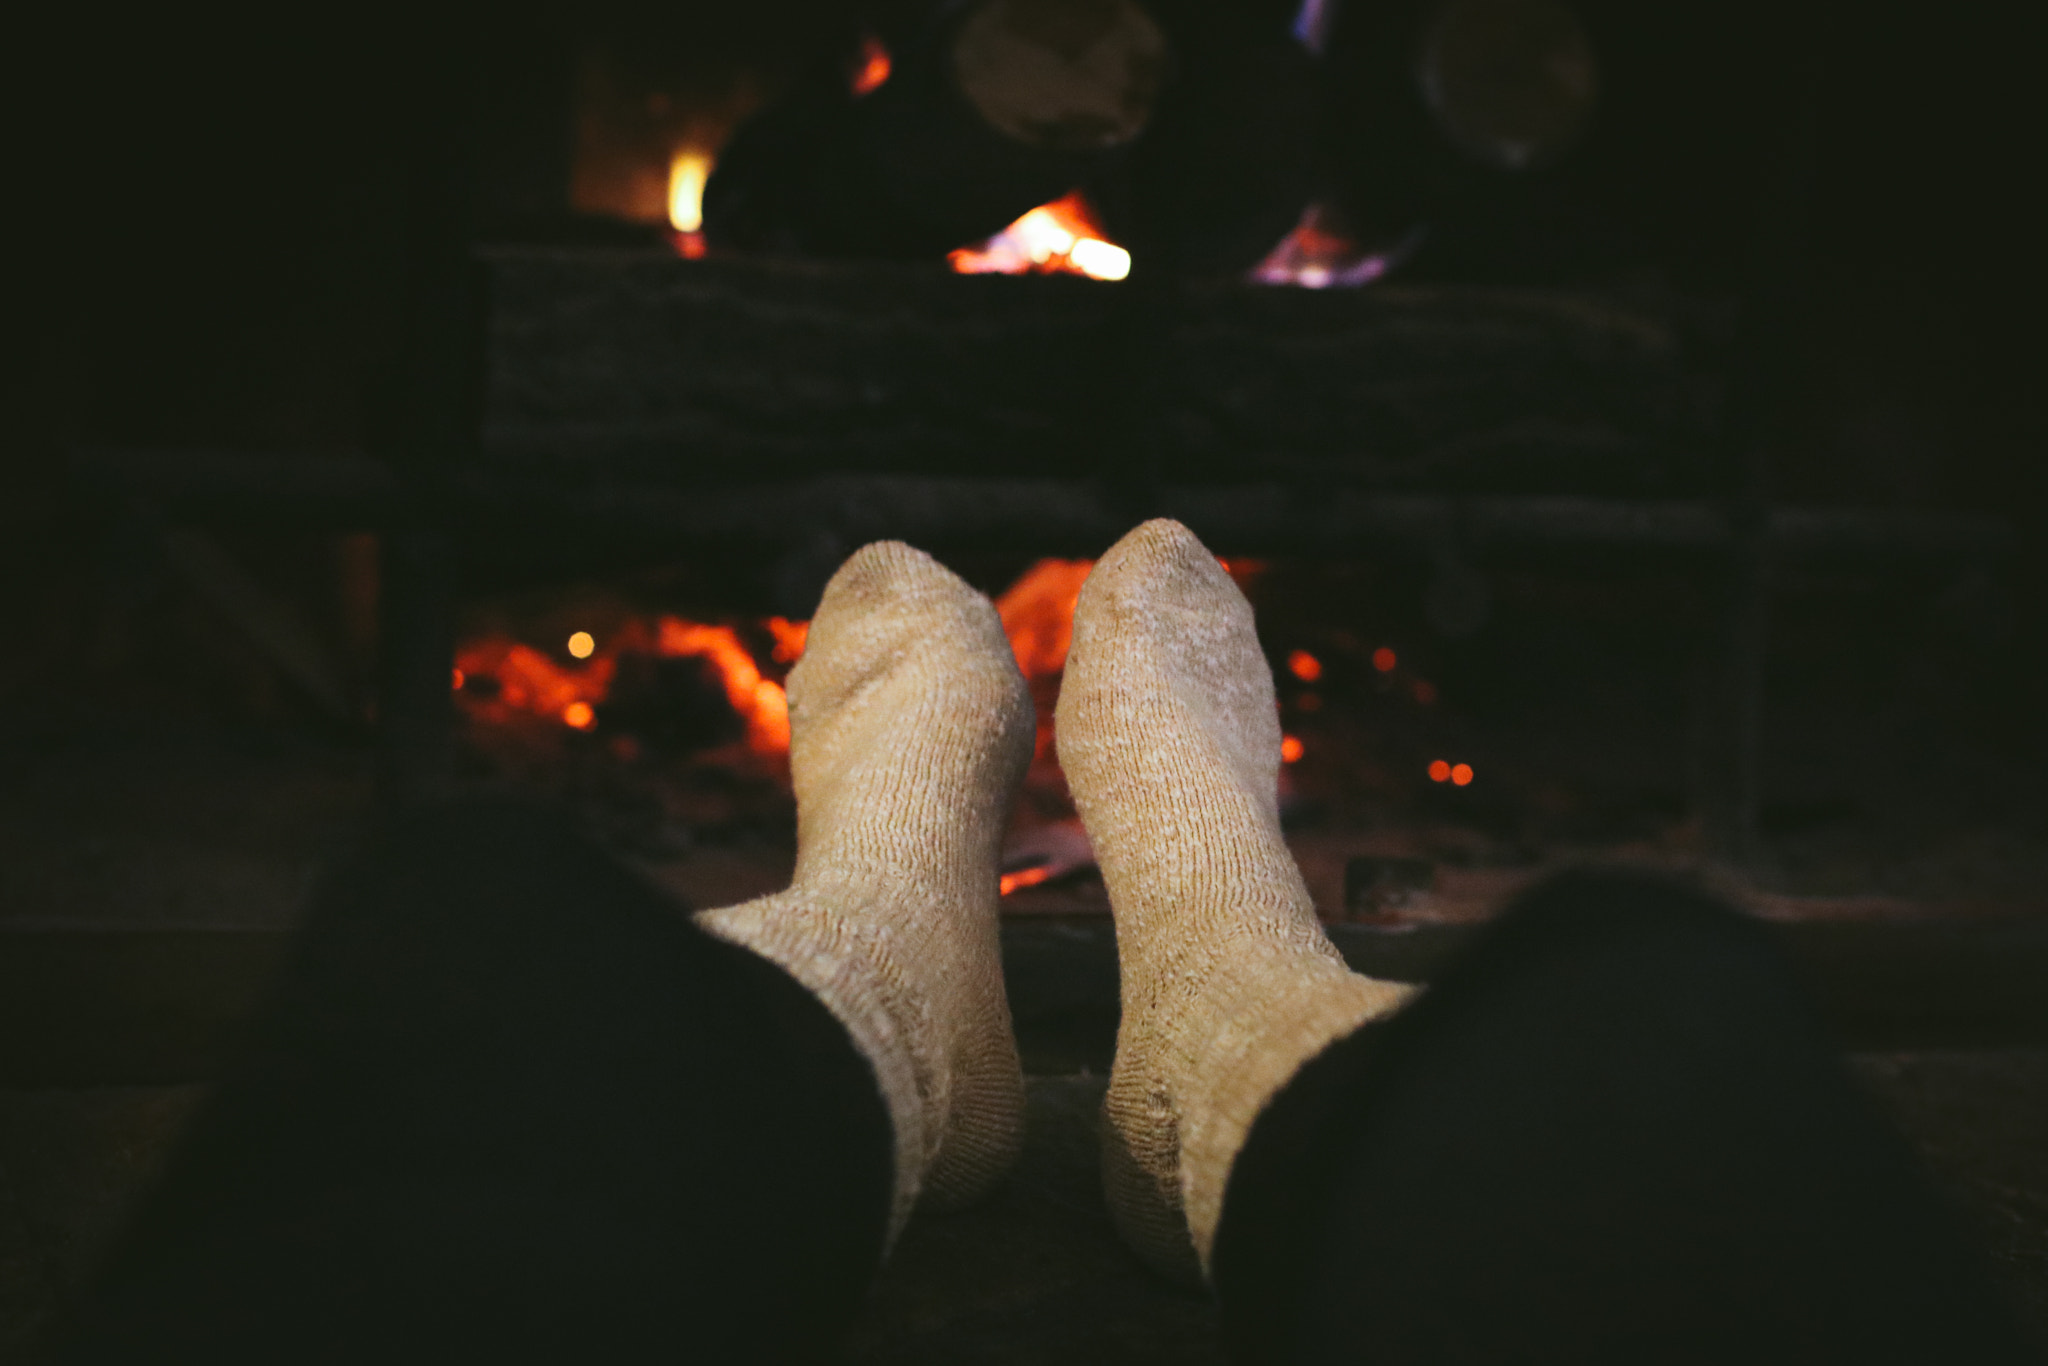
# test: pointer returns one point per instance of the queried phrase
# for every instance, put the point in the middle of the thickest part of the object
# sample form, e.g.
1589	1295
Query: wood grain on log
646	368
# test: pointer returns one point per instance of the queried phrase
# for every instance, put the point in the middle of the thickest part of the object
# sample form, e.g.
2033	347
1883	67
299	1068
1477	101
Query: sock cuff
829	960
1300	1012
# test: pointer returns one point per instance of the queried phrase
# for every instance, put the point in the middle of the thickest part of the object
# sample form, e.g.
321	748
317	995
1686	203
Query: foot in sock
911	728
1170	741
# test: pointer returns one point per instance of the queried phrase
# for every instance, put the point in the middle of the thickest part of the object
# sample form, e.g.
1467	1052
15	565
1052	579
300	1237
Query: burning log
645	368
1229	162
987	112
1460	116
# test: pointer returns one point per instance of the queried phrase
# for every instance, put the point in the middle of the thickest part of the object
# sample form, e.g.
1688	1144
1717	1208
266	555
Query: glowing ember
871	68
1290	748
1461	775
499	678
1038	614
789	638
1439	770
531	683
1059	238
759	702
1023	877
1384	660
1304	666
1320	254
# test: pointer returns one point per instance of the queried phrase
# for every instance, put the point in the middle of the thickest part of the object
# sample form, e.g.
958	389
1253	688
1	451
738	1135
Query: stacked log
987	112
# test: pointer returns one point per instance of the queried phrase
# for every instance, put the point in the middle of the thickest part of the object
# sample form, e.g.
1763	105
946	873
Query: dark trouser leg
512	1103
1613	1133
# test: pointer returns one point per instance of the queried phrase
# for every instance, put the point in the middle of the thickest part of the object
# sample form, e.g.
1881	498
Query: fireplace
1503	462
1628	460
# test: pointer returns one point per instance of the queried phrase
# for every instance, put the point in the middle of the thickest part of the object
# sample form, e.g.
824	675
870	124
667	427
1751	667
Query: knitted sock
911	730
1170	740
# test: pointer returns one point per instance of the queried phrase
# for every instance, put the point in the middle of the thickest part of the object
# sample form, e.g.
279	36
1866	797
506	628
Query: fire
524	680
789	638
1320	253
498	677
1444	771
872	67
1024	877
1038	614
759	702
688	172
1060	238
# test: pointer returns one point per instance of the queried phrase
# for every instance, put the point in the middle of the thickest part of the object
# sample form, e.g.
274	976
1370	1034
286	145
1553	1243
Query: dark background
210	235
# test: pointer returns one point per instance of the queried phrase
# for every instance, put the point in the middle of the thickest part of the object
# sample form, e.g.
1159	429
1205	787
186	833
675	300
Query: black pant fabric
511	1104
1612	1133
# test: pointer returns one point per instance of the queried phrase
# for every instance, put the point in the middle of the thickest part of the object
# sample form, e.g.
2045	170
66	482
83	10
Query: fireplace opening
1618	419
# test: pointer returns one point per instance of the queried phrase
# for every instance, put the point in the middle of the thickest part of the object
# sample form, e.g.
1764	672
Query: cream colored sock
911	729
1171	744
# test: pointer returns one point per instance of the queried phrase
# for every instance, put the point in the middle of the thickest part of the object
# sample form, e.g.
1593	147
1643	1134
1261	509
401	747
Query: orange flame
1037	613
789	638
530	682
1060	238
871	69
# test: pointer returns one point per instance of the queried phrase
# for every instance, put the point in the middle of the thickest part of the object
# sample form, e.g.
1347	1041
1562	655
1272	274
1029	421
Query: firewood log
1228	165
988	112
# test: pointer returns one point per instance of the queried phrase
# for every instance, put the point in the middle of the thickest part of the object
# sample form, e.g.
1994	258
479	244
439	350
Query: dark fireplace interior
1624	421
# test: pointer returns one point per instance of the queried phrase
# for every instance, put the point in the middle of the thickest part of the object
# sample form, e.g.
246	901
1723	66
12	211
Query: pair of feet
912	729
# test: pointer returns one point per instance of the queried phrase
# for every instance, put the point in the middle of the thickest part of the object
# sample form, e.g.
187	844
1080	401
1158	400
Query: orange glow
1305	666
1060	238
459	680
1023	877
688	171
1461	774
789	638
759	702
531	682
1321	253
1038	614
1439	771
1384	660
872	67
1290	749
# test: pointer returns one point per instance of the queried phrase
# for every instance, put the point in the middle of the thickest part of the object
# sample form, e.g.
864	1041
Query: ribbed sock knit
1170	739
911	731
